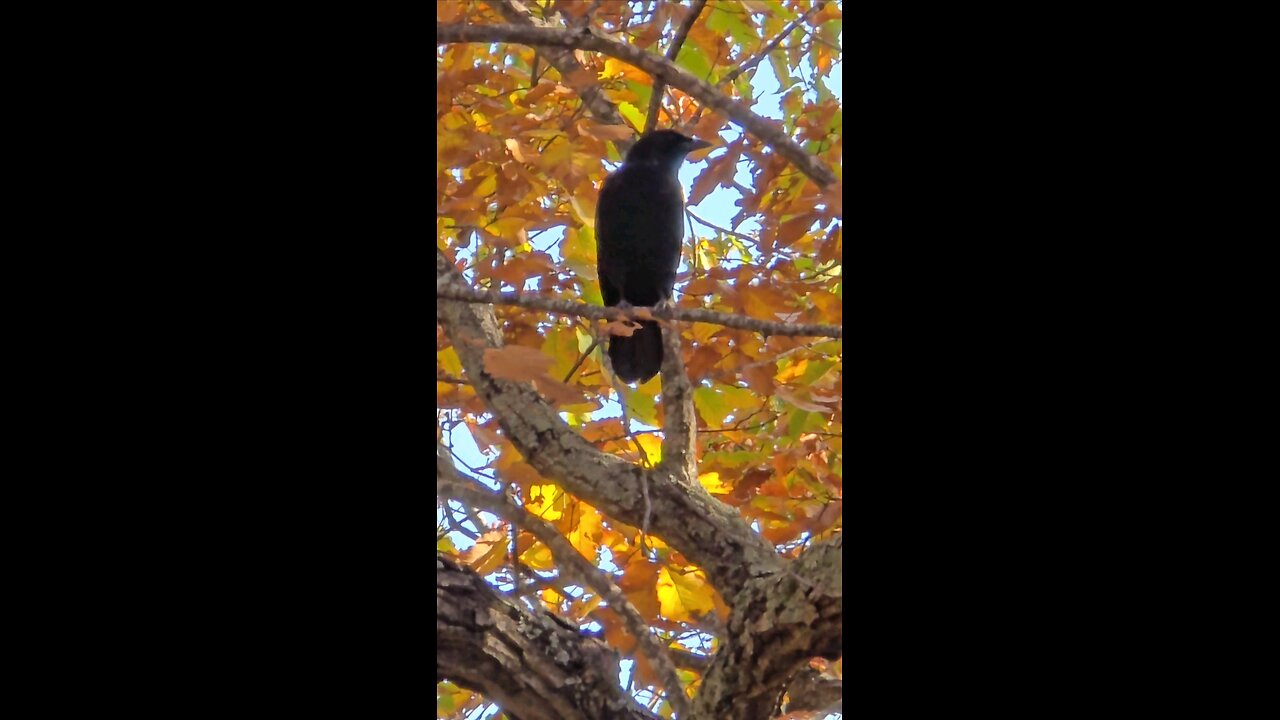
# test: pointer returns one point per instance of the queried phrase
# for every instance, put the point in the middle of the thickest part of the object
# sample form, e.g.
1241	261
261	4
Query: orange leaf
793	229
699	365
760	379
702	286
559	393
831	248
488	554
515	362
544	88
762	302
622	328
606	132
615	634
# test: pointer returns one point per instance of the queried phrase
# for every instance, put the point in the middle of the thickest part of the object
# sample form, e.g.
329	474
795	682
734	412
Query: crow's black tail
638	357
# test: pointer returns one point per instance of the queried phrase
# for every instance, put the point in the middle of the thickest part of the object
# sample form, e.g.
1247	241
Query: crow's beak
696	144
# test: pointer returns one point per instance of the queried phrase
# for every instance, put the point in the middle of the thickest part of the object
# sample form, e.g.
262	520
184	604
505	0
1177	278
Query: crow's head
663	147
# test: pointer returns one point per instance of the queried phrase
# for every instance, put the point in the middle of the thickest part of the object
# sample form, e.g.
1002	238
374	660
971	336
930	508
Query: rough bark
534	665
778	623
782	612
709	533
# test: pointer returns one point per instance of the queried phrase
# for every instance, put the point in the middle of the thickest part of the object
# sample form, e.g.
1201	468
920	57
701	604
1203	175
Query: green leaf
815	370
735	24
692	58
718	402
779	65
796	423
643	402
633	116
711	405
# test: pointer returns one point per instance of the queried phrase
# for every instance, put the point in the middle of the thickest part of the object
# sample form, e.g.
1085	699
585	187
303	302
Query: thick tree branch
534	665
574	566
809	690
655	102
778	624
596	312
660	68
709	533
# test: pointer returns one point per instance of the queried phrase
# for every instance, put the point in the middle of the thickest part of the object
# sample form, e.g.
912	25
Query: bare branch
651	120
596	312
726	231
660	68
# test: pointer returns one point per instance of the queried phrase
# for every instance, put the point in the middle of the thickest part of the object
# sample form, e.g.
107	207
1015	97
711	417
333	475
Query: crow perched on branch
639	229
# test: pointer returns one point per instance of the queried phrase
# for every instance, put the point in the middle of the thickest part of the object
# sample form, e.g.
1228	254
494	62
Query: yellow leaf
614	67
586	536
509	228
448	359
684	597
713	484
794	371
539	557
488	554
486	187
546	501
652	445
584	209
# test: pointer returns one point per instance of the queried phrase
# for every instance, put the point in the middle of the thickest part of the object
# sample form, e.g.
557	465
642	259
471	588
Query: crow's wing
639	230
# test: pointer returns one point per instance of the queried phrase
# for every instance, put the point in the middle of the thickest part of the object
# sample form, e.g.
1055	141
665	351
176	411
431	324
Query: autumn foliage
524	139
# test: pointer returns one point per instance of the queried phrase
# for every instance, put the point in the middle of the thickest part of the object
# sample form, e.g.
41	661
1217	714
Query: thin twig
595	342
651	119
596	312
726	231
760	56
773	44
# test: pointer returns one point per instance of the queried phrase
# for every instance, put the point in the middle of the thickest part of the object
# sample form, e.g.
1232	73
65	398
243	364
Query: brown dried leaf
605	132
515	362
790	397
559	393
622	328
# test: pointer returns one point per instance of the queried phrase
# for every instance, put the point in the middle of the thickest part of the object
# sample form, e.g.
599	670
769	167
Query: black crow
639	229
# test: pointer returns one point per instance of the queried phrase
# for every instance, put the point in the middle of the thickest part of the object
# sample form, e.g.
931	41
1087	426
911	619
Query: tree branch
655	102
660	68
773	44
572	564
679	426
563	60
778	623
711	534
596	312
534	665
